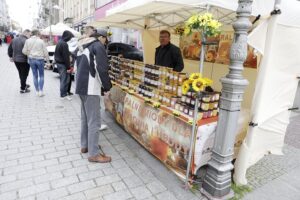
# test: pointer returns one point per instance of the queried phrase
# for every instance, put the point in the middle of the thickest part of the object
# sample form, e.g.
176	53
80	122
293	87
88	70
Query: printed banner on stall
114	103
164	135
218	52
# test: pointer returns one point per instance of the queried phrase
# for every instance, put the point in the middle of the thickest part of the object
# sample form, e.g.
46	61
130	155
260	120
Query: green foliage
240	191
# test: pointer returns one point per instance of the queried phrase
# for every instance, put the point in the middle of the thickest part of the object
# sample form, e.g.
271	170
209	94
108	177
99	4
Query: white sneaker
41	94
66	98
103	127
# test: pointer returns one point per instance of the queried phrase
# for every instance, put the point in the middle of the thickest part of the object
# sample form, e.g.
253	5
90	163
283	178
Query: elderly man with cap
91	80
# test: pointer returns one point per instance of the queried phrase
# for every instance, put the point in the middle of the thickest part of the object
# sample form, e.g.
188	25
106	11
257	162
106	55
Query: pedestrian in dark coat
62	58
15	54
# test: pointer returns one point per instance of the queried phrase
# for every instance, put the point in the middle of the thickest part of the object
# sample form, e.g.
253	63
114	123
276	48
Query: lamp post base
210	197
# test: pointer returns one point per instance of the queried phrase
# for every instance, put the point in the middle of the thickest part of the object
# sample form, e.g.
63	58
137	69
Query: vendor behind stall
167	54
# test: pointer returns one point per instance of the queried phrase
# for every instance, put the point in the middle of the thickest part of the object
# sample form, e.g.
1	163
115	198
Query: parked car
125	50
51	50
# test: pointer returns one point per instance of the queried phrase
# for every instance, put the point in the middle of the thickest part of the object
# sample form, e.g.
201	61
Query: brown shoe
100	159
84	150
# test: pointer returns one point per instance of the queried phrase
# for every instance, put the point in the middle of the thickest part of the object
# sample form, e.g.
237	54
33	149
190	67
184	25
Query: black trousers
23	69
70	83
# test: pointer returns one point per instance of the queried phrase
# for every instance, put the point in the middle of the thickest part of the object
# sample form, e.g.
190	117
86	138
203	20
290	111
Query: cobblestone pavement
277	177
40	159
39	151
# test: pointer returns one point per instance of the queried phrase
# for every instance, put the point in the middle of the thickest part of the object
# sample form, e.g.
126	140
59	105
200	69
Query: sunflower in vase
204	23
196	83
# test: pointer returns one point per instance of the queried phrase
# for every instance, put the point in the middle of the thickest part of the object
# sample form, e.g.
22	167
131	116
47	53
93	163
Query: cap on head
102	32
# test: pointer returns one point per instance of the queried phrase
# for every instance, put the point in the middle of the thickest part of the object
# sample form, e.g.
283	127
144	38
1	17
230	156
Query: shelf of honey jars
162	85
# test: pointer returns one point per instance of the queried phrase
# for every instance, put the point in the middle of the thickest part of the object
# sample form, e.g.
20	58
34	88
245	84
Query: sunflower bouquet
205	23
195	83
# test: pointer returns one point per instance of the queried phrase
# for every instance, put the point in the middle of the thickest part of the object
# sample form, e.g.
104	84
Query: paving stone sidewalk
39	151
40	159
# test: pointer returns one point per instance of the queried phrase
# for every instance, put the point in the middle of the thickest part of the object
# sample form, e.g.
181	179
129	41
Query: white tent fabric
58	29
161	14
278	39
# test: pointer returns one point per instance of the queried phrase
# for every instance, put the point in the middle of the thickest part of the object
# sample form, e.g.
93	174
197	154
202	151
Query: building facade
49	13
77	13
5	23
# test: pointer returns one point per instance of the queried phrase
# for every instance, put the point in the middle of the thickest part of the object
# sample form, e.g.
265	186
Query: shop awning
159	14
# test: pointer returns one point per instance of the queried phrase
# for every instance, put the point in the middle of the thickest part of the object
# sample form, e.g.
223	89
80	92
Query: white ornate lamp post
217	183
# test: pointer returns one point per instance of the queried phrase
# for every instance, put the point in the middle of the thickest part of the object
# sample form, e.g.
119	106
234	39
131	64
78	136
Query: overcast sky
23	11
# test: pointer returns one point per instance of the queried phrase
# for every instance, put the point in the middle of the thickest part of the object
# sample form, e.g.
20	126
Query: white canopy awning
159	14
58	29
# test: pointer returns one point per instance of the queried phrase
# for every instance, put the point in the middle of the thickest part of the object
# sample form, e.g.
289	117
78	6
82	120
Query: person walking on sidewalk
62	58
15	54
36	50
91	76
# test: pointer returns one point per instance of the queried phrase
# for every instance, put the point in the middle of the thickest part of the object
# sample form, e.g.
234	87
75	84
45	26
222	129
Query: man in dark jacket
167	54
20	60
91	78
62	59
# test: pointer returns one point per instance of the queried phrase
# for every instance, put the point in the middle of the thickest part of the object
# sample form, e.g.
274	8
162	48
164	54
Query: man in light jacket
37	53
91	78
15	54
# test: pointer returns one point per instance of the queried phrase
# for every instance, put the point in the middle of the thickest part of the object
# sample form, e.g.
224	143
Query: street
40	152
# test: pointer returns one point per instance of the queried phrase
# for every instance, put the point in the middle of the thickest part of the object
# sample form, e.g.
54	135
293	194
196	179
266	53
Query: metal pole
203	40
217	182
192	142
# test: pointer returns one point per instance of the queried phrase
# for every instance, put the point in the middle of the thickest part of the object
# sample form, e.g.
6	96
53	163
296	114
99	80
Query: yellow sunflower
208	81
195	76
156	105
198	85
185	87
176	113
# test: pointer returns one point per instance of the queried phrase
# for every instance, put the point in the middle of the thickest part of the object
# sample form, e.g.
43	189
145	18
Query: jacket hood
85	42
67	35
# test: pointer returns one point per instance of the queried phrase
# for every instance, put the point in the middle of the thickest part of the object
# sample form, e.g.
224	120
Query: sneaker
103	127
66	98
27	86
70	93
24	91
41	94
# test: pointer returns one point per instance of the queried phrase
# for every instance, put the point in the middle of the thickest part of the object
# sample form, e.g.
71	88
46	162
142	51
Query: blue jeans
37	67
64	79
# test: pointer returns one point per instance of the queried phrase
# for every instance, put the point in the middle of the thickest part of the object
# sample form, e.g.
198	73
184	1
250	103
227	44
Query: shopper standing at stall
15	54
167	54
36	50
62	58
91	76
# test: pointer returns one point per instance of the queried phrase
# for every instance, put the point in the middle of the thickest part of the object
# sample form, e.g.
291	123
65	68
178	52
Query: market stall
57	30
148	102
152	16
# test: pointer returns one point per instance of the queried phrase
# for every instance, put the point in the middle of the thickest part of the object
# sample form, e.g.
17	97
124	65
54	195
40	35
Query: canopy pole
203	41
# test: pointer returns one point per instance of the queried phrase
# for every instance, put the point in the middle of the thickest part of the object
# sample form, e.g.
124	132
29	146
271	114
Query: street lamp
217	182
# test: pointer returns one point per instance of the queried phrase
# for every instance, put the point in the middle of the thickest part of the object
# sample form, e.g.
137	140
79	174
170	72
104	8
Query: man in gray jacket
20	59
